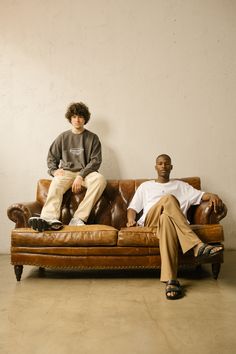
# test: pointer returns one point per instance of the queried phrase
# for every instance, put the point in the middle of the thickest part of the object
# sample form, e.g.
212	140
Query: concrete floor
61	312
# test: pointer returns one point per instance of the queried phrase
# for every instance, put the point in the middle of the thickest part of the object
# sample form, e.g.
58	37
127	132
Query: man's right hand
77	184
59	172
131	217
131	223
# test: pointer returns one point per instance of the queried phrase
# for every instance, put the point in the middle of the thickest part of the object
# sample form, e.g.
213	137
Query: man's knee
60	184
170	198
97	180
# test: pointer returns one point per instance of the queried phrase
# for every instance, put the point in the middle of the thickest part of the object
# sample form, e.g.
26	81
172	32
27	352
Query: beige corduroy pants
95	184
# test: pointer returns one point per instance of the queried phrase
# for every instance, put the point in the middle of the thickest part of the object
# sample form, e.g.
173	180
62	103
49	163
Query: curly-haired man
73	161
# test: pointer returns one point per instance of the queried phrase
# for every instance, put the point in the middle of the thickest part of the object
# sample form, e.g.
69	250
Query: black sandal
173	286
205	252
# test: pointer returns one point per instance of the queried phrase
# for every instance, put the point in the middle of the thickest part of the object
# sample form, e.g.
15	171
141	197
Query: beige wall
158	76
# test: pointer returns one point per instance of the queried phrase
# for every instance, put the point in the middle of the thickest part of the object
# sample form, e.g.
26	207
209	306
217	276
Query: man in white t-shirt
165	203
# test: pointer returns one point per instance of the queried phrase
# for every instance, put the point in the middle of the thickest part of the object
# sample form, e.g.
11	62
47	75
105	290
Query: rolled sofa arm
204	214
21	212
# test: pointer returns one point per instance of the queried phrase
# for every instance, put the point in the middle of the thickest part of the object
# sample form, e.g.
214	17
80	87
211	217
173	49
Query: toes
171	293
215	249
173	289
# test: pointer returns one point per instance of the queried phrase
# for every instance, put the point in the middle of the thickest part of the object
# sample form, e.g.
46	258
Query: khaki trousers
172	230
95	184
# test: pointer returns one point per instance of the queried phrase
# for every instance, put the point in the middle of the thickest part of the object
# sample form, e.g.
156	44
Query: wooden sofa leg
18	271
215	269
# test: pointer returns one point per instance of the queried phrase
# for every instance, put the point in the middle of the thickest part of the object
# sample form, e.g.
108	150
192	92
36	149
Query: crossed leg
173	231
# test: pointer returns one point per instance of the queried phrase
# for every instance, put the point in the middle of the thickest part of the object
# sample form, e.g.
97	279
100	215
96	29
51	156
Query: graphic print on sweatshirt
76	151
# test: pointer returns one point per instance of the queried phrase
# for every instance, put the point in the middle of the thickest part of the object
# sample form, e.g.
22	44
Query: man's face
77	122
163	167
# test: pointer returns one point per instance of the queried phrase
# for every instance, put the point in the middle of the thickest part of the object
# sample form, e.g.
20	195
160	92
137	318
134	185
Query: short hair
165	156
78	109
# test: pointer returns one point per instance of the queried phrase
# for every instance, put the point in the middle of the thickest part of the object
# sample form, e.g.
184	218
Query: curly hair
78	109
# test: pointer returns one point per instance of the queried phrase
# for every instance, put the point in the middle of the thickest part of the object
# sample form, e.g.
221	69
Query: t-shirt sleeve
193	195
137	201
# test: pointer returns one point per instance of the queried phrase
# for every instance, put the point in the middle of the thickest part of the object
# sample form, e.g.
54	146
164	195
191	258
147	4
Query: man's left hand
216	202
77	184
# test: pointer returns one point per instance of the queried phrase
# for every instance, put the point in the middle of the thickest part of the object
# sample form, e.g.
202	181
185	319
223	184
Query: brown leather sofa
105	242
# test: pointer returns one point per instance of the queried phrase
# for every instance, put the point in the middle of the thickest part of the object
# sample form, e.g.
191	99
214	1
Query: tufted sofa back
111	209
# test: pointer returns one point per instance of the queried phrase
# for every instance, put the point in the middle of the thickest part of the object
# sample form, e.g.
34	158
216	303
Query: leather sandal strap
173	282
205	250
201	250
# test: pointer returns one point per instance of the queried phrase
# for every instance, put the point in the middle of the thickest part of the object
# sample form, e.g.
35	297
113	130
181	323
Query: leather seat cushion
87	235
146	236
138	236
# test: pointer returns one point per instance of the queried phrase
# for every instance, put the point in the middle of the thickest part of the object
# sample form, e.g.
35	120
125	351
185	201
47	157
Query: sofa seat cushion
69	236
138	236
147	237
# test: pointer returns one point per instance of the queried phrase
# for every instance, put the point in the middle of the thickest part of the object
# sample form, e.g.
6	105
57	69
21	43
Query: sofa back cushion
111	209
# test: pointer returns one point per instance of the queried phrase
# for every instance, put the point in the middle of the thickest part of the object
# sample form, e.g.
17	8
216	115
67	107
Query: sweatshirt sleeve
94	158
54	156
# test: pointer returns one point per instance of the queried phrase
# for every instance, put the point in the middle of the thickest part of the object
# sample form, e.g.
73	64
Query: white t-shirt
150	192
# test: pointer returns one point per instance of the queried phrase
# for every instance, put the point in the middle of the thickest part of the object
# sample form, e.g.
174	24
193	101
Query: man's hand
77	184
59	172
131	216
131	223
214	201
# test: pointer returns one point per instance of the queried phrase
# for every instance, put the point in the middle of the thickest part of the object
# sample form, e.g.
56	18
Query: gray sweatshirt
75	152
